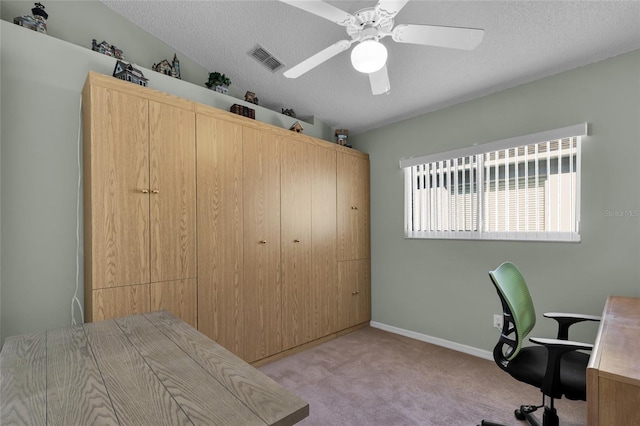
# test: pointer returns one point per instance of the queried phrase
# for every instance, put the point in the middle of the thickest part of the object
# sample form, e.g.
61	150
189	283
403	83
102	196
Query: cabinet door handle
296	241
145	191
155	191
263	242
355	293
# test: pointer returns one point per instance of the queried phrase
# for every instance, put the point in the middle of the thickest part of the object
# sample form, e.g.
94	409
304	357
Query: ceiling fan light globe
369	56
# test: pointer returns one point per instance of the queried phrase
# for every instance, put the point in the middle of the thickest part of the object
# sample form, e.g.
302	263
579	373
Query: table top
147	369
615	353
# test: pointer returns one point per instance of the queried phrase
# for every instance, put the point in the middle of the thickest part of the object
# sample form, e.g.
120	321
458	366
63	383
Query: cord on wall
74	300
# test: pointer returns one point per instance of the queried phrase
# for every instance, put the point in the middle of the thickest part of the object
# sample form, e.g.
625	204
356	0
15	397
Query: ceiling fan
367	27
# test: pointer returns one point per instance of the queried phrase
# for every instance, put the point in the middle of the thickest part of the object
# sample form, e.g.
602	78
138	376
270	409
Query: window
524	188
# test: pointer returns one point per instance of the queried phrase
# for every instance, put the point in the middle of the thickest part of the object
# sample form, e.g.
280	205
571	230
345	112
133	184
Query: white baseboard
480	353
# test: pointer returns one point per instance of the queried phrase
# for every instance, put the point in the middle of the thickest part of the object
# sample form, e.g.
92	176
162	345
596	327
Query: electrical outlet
497	321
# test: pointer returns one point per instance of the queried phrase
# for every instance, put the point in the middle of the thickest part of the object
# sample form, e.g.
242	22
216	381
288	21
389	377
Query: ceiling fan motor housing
368	24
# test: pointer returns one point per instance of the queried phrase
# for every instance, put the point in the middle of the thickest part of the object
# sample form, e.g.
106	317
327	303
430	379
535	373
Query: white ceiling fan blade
380	81
390	8
432	35
317	59
323	10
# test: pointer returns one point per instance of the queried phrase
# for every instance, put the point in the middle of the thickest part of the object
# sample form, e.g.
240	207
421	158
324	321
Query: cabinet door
116	174
353	207
354	283
324	277
296	245
262	291
178	297
220	233
173	192
117	302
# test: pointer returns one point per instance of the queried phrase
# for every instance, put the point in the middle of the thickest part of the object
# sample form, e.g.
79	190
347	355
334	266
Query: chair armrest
556	348
566	320
569	345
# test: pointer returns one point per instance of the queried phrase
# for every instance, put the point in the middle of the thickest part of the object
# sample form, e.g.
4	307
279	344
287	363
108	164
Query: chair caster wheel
519	414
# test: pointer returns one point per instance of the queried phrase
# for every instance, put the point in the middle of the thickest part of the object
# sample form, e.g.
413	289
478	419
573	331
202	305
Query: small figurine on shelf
297	127
218	82
128	72
107	49
168	68
251	97
36	22
341	136
289	112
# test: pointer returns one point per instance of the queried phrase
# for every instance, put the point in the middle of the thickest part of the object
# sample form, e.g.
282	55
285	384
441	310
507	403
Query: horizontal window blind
498	191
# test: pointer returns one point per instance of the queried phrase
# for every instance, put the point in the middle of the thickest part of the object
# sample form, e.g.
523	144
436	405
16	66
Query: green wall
440	288
41	80
437	288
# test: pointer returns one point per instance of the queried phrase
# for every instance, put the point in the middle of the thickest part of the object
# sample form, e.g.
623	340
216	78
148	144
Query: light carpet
373	377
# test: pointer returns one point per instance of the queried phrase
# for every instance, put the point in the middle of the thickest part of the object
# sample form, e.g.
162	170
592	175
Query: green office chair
554	365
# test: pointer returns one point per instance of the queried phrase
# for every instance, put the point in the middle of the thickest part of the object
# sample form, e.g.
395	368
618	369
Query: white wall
440	288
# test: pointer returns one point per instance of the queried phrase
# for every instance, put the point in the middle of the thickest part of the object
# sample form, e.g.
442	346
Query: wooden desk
613	373
148	369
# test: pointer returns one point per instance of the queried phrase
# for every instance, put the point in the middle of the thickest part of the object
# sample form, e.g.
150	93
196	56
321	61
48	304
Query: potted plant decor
218	82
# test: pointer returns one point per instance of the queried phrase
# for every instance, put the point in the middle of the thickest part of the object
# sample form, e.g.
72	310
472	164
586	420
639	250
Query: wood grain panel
180	297
101	80
618	403
120	301
354	297
297	303
137	394
613	373
173	192
270	401
363	309
76	394
119	220
353	207
261	225
23	380
220	232
324	277
191	385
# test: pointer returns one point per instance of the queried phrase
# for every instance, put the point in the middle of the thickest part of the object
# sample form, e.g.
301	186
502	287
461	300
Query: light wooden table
613	373
148	369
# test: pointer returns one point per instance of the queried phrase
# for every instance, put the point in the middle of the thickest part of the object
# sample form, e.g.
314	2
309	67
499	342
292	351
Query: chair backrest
518	312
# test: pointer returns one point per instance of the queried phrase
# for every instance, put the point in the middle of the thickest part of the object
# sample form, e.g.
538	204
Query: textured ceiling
524	41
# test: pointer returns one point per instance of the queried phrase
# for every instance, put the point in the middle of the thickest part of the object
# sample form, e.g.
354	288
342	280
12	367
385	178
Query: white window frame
446	159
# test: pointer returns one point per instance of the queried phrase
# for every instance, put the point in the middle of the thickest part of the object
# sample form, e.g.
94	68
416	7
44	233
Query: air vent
265	58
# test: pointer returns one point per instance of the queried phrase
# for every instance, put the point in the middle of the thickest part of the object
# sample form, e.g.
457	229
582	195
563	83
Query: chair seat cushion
531	363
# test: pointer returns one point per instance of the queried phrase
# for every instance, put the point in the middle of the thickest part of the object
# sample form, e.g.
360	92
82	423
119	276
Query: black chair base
525	412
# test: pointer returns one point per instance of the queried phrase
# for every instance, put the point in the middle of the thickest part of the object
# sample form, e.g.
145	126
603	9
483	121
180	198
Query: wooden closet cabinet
279	254
139	201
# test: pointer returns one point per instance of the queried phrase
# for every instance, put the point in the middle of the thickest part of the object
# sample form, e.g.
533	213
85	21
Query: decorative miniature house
107	49
251	97
127	72
297	127
172	69
36	22
341	136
